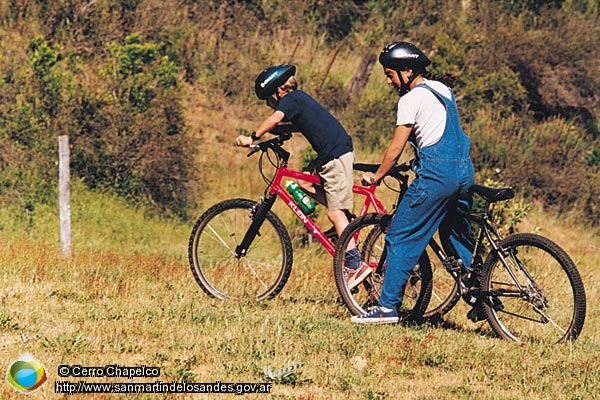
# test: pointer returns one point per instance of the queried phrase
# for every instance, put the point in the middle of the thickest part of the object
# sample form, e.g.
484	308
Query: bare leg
338	219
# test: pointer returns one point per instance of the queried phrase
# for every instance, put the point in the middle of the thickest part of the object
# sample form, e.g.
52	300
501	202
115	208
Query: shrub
133	138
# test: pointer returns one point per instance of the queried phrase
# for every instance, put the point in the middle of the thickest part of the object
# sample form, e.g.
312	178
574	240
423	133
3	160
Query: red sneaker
356	276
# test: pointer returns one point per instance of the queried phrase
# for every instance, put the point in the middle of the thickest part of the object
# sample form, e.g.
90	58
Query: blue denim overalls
444	173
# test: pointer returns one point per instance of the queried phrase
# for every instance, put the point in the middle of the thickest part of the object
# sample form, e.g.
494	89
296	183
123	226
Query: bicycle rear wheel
550	304
369	234
259	274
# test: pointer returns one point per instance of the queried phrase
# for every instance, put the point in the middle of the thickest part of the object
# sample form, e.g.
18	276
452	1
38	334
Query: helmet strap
405	86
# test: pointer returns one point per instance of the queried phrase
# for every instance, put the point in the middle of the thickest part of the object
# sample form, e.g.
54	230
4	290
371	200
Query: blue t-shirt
323	131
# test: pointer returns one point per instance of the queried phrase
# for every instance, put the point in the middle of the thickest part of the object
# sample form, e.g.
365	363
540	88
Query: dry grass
142	307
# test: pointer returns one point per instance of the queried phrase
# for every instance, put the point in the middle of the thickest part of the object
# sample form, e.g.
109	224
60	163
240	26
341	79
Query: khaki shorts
337	179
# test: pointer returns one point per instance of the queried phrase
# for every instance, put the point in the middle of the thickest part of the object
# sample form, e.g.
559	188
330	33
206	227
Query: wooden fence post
64	194
334	54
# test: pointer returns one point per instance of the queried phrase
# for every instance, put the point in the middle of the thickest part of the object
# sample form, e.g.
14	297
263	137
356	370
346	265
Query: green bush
498	93
127	135
133	138
527	90
371	123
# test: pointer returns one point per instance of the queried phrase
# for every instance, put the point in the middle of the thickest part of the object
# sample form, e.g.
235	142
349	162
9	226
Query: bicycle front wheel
259	274
368	231
536	294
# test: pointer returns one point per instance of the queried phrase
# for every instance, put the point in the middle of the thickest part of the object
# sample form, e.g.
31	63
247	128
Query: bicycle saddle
493	194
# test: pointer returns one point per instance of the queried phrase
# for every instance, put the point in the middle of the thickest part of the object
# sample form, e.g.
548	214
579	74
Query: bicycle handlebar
394	171
283	132
397	171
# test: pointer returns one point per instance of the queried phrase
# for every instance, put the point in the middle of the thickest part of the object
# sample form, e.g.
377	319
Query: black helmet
271	78
402	55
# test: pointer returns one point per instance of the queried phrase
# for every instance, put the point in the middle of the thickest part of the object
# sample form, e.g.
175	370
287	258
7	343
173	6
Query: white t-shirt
425	111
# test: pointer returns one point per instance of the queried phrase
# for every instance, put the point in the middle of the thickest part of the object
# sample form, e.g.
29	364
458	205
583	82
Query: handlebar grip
394	171
253	149
365	167
364	183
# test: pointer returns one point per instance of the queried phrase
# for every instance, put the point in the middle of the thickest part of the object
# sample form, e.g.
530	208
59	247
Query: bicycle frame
277	189
486	230
486	233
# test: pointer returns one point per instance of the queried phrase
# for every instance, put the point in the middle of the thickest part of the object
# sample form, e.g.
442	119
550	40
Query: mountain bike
240	249
527	288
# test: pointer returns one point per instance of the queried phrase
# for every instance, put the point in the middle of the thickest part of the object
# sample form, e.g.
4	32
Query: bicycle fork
258	213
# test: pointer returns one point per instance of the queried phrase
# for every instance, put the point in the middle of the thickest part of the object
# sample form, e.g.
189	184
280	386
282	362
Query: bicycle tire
553	307
369	234
260	274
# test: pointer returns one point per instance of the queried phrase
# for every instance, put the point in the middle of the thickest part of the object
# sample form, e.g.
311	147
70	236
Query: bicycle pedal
470	296
453	265
476	314
330	233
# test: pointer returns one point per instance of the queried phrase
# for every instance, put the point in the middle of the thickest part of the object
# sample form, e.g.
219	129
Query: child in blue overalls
428	119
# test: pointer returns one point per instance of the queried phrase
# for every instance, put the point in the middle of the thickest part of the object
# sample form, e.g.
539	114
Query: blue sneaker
377	316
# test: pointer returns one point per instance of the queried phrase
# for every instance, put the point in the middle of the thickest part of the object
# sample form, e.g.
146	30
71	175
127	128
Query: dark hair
447	79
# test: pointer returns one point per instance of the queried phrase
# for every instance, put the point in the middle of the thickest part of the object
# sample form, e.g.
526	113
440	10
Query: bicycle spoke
255	273
444	294
259	273
368	233
220	239
534	293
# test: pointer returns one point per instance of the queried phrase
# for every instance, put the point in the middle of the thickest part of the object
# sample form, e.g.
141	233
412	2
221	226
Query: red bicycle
240	249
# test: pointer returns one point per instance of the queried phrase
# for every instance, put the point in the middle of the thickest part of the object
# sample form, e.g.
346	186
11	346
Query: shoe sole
386	320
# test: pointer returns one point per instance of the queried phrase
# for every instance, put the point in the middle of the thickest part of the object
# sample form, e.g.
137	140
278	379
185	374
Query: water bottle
305	202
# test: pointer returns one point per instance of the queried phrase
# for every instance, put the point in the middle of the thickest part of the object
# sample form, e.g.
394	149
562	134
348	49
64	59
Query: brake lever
253	149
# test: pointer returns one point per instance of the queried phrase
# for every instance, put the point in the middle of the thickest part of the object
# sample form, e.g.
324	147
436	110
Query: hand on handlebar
367	179
243	141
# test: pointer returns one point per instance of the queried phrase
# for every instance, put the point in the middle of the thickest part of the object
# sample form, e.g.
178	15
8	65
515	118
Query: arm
265	127
391	155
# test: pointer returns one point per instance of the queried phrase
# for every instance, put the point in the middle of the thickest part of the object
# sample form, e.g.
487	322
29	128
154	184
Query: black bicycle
527	287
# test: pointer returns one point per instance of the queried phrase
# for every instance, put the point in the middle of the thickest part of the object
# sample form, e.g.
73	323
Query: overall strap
445	102
452	120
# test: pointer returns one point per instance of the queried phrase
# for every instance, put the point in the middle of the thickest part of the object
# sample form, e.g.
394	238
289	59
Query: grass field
126	297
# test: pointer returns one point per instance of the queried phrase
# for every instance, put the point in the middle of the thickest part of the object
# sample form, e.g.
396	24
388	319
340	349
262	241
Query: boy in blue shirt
335	153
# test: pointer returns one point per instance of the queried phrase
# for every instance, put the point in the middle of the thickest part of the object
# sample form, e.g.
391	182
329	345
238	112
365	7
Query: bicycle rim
260	274
551	307
368	232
